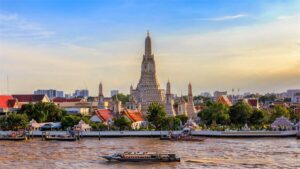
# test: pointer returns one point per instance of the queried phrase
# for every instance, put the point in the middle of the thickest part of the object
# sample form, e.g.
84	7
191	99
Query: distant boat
14	136
182	138
60	138
142	157
185	135
70	136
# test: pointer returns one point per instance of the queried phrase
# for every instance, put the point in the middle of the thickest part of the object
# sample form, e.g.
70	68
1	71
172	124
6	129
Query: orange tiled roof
133	115
225	100
7	101
105	114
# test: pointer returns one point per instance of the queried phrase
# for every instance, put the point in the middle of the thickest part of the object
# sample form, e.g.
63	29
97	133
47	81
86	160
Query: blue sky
86	32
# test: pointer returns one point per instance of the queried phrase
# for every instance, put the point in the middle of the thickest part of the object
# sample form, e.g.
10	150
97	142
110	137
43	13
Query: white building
291	92
81	93
296	98
51	93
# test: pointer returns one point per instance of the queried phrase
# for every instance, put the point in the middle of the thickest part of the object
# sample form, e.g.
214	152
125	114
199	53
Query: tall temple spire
148	51
101	97
190	93
169	101
168	87
100	90
190	104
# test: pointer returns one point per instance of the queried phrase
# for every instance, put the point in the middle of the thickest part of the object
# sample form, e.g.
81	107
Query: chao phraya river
213	153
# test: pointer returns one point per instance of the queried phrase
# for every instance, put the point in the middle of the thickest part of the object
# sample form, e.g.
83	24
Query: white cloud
15	26
287	17
224	18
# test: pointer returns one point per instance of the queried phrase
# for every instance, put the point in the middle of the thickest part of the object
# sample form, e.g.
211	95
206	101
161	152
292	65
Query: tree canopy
214	113
156	114
14	121
279	111
122	123
240	113
43	112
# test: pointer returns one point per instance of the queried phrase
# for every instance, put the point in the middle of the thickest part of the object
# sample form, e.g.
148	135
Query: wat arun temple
148	89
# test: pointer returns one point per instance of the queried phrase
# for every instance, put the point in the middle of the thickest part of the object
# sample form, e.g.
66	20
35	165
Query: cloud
16	27
287	17
224	18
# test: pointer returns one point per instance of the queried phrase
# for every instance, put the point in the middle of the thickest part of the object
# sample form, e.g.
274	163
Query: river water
212	153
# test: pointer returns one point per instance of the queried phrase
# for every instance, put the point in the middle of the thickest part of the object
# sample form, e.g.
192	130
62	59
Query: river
212	153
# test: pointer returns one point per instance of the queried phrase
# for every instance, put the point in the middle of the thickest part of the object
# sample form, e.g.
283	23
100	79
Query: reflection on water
213	153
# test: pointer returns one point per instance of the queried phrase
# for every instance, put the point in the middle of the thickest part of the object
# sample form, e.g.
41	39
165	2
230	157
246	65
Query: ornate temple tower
190	104
117	106
169	101
148	89
101	97
182	106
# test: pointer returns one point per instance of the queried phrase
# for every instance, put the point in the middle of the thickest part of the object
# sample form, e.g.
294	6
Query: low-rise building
253	102
30	98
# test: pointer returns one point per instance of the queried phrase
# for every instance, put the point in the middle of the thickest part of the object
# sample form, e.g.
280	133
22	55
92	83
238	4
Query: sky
250	45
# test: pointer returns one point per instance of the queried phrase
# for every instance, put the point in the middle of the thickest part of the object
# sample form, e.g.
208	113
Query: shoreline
203	133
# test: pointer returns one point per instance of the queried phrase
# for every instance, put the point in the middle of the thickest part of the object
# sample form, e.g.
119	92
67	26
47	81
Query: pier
206	133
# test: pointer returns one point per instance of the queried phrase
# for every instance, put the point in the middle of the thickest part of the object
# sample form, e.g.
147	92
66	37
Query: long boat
142	157
183	138
60	138
11	138
14	136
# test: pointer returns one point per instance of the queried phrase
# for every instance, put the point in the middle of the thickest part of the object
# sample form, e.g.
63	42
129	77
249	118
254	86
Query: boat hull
13	138
60	139
183	139
142	159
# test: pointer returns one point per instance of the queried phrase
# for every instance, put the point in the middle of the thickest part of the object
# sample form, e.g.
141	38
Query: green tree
122	97
98	126
240	113
14	121
42	112
214	113
183	118
259	117
122	123
279	111
170	123
267	97
70	121
156	115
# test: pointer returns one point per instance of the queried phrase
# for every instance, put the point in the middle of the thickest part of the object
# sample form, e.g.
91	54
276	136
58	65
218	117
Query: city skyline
78	45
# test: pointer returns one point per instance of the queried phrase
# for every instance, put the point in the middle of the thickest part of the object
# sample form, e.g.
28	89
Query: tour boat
142	157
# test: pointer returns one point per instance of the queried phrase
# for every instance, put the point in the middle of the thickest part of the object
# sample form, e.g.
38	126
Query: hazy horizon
249	45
